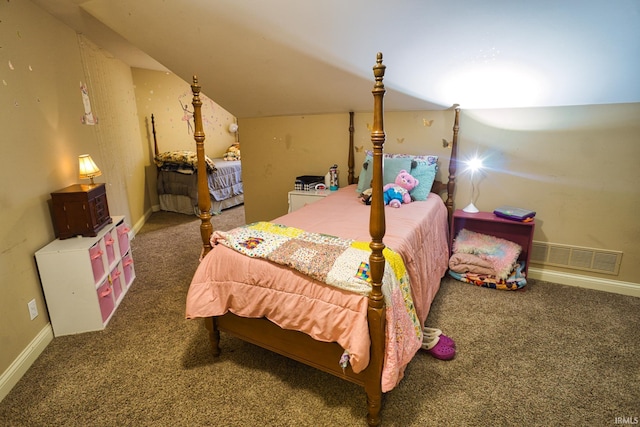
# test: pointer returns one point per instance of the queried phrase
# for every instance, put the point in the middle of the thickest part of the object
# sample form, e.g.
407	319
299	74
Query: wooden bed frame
300	346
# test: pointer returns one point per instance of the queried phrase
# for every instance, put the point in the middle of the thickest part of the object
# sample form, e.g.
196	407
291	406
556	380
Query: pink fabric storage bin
97	263
109	245
123	238
127	267
116	282
105	298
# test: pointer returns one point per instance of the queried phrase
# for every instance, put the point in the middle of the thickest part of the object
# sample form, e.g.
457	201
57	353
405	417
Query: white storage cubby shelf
84	279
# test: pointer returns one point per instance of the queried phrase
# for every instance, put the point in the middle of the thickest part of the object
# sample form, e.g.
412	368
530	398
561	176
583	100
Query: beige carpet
548	355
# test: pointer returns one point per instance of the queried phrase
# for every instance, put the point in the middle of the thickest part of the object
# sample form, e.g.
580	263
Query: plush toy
233	152
365	196
397	193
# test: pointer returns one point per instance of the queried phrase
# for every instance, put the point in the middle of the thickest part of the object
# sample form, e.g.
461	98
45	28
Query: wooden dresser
80	210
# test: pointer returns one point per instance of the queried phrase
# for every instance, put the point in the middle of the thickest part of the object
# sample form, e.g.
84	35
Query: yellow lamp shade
88	168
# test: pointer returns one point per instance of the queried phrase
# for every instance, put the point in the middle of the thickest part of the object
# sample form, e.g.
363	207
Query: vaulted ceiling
280	57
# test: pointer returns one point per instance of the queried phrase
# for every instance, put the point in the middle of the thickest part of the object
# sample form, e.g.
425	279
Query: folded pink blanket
469	263
501	253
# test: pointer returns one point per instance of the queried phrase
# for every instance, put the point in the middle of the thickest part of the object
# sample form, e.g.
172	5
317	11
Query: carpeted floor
548	355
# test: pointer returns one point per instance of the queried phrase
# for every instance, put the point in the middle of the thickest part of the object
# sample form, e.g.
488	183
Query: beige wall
41	138
277	149
165	95
575	166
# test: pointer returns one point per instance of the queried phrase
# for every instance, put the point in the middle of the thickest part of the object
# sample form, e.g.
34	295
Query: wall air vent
576	257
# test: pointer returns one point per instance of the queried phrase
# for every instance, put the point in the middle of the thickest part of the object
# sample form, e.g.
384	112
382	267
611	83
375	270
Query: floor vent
576	257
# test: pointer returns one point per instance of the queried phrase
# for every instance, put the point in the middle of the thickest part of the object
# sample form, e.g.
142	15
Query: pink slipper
439	350
429	334
443	339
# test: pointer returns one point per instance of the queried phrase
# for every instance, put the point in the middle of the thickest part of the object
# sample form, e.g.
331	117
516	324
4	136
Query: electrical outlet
33	309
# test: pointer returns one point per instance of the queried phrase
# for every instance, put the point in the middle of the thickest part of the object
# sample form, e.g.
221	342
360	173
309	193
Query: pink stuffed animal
398	193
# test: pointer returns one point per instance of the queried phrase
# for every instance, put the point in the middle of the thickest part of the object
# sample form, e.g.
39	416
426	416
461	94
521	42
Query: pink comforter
228	281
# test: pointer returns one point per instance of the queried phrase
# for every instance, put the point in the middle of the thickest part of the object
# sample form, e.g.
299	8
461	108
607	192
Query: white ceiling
279	57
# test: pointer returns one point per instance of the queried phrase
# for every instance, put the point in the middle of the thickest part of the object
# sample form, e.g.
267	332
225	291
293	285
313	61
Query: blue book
513	213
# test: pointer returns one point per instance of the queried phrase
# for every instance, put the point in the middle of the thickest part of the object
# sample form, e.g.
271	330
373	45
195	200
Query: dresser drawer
300	198
123	238
116	282
96	255
105	300
127	267
110	248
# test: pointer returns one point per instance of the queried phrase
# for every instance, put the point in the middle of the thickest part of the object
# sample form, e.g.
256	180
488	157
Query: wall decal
88	118
209	116
427	123
186	117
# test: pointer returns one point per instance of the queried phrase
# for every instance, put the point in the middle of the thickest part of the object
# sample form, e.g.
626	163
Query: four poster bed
366	332
177	180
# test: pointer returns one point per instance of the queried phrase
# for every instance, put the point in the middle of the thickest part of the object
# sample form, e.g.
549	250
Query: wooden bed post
204	202
351	160
453	164
155	141
377	226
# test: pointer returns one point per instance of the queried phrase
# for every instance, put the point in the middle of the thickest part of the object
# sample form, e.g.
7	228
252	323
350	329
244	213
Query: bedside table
492	225
300	198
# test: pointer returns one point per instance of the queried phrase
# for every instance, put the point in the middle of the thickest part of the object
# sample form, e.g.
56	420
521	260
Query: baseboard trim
614	286
23	362
138	225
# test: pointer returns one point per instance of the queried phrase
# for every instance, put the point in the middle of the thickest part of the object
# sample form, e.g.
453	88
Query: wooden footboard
317	354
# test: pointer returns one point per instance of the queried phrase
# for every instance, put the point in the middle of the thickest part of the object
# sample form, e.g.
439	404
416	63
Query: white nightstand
300	198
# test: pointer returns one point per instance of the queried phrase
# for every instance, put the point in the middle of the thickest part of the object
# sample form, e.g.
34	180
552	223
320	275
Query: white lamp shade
88	168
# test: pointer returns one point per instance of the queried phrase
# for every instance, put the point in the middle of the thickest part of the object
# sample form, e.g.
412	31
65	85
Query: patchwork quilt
338	262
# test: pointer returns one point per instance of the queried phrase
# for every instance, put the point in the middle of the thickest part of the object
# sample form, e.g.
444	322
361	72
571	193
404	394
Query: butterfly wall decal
427	123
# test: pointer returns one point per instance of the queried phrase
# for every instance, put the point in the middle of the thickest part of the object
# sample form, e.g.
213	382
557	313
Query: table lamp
474	165
88	168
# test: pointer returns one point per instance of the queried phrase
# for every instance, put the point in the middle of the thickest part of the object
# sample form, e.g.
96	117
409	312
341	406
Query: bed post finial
155	141
204	203
453	163
351	160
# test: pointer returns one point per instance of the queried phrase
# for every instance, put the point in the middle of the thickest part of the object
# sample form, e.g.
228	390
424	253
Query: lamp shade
88	168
